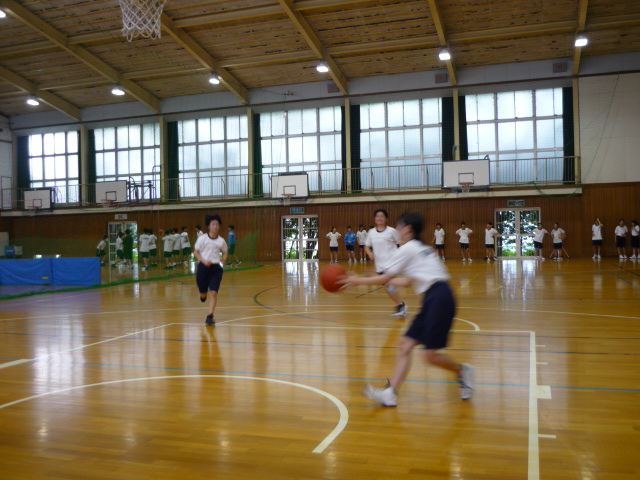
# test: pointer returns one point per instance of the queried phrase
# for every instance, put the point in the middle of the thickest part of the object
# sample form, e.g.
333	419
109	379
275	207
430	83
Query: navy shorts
349	248
596	243
557	246
537	245
432	323
621	242
464	245
362	246
333	249
208	278
488	245
439	246
635	241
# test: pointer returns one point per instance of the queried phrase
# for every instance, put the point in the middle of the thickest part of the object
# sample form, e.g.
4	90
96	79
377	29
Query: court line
534	453
342	409
618	277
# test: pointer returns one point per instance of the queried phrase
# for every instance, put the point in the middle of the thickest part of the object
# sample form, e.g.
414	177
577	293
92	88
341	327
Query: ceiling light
581	41
322	67
444	54
2	14
214	80
117	90
33	101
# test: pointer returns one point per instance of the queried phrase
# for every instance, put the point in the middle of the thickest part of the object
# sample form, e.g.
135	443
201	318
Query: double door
515	231
113	228
299	234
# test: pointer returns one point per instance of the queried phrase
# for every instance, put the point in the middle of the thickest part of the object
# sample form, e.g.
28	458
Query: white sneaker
469	260
621	257
443	259
599	257
594	257
349	260
542	258
401	310
384	396
464	259
633	257
465	378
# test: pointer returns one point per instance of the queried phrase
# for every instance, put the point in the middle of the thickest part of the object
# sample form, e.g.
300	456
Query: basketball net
286	199
141	18
465	187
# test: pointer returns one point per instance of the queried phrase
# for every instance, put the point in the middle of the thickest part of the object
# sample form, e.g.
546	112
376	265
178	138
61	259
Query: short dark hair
384	212
209	218
127	231
232	227
184	228
361	225
414	220
198	227
348	226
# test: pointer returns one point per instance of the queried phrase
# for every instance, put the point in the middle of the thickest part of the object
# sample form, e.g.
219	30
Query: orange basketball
329	276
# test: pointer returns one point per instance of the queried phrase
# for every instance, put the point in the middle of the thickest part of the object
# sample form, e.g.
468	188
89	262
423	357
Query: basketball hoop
286	198
33	211
465	187
106	203
141	18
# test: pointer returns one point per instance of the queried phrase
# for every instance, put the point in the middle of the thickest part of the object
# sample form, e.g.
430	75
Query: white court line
342	422
15	362
542	435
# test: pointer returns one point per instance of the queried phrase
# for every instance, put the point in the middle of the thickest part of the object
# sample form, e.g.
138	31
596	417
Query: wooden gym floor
127	383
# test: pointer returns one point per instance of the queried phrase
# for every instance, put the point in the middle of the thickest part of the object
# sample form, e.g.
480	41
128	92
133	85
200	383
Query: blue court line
619	277
340	377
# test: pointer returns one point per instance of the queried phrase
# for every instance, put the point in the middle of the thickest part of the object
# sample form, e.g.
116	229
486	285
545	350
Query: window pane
396	143
395	116
365	145
559	134
412	142
309	121
544	102
431	141
98	136
188	159
149	134
506	106
507	136
265	124
376	115
134	136
123	162
364	117
110	163
49	145
217	155
486	138
310	149
204	157
431	111
524	135
486	107
472	138
378	145
109	138
233	154
60	166
35	166
557	101
524	104
266	151
99	164
471	108
72	164
204	130
233	128
295	150
49	168
217	129
329	147
294	122
122	137
149	161
327	123
545	133
411	112
188	131
72	142
135	161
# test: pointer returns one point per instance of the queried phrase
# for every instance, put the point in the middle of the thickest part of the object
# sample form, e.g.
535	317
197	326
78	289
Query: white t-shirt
439	234
185	240
210	248
101	245
152	242
167	243
177	241
333	238
538	234
420	263
118	243
621	231
362	237
143	240
489	236
384	244
557	234
464	234
635	231
198	233
596	232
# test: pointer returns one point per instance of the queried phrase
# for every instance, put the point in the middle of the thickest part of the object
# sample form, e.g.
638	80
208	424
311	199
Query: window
401	144
521	132
54	162
213	156
307	140
130	153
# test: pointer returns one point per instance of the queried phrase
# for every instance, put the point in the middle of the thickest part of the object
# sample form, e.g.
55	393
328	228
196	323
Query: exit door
299	234
515	232
113	228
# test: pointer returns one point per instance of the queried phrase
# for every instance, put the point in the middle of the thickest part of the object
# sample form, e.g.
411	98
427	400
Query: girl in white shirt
211	251
558	235
438	240
489	242
421	269
538	238
621	239
596	238
361	235
463	232
635	240
333	237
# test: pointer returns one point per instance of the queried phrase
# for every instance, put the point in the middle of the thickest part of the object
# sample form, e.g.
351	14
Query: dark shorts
128	255
350	248
635	241
231	248
208	278
432	323
596	243
361	246
144	254
557	246
621	242
153	252
537	245
439	246
176	252
488	245
464	245
120	254
100	253
186	250
167	254
333	249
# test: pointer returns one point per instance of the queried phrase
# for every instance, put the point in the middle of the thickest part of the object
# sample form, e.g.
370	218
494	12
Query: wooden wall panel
261	224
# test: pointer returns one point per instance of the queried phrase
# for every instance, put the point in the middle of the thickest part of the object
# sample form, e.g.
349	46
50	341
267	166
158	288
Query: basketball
329	276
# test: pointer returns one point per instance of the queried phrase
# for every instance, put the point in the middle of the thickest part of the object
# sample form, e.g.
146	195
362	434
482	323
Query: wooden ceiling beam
315	44
582	20
200	54
30	19
47	97
437	20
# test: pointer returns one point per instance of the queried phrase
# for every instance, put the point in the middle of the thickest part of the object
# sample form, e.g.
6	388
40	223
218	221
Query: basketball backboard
111	192
38	198
294	184
472	172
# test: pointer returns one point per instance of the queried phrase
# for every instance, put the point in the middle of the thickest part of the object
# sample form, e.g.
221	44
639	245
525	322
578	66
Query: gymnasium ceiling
69	53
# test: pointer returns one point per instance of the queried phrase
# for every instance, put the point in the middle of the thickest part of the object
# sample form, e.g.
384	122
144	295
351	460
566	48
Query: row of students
621	231
463	232
350	239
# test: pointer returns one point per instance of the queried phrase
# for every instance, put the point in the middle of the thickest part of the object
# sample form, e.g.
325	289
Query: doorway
299	234
515	232
112	230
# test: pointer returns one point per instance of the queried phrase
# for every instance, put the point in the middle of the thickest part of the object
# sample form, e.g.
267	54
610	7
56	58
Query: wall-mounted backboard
473	172
295	184
111	192
38	199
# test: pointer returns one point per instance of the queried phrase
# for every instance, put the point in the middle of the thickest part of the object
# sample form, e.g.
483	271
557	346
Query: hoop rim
465	187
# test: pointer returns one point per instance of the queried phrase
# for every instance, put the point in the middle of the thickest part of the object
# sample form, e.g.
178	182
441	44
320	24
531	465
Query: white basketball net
141	18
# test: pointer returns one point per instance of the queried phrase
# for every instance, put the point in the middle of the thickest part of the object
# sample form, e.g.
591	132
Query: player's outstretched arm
349	280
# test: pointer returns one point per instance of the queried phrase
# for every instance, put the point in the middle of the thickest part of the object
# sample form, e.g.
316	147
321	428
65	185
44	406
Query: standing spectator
557	234
596	238
198	231
350	243
153	249
177	247
538	239
185	245
621	239
101	249
361	235
167	247
463	232
231	244
119	251
333	237
635	240
489	242
127	246
143	241
438	240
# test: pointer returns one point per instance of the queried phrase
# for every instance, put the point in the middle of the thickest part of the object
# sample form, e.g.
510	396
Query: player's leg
401	308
